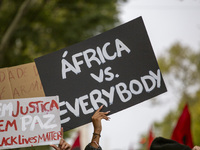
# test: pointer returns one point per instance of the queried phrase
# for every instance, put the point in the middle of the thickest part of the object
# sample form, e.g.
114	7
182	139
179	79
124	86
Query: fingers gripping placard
117	68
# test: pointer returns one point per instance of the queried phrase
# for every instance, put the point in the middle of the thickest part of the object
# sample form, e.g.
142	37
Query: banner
29	122
182	131
117	69
20	81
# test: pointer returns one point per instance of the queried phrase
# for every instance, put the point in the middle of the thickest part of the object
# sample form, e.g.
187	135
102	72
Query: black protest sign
117	69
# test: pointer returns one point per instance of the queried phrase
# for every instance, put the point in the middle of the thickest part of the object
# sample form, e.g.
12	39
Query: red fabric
182	131
77	145
150	138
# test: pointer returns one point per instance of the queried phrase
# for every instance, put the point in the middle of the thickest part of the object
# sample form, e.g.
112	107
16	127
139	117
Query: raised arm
96	120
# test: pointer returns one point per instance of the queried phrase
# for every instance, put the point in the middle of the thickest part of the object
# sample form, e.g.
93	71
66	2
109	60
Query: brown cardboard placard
5	88
20	81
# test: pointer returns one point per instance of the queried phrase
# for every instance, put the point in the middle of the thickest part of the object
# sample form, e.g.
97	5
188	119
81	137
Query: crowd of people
158	143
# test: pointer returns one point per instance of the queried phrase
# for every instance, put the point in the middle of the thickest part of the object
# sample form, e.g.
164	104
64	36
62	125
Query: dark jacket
89	147
160	143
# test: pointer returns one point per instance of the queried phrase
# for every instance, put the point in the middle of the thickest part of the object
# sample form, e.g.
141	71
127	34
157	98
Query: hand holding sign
96	120
63	145
97	117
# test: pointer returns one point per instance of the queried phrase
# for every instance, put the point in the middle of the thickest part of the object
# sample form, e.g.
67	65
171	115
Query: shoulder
89	147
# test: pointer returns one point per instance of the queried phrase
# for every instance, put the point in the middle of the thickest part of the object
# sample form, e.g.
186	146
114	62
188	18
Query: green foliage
32	28
183	66
195	117
47	26
166	126
183	63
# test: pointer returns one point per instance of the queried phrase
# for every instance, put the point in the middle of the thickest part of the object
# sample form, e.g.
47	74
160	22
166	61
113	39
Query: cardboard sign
117	69
20	82
29	122
5	87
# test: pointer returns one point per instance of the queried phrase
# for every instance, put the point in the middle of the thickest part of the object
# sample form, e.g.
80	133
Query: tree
32	28
181	67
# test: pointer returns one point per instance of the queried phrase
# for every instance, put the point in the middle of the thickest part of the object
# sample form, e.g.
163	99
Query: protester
158	143
63	145
94	145
96	120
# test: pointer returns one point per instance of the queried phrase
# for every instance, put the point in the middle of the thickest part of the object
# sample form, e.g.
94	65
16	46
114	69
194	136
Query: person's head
160	143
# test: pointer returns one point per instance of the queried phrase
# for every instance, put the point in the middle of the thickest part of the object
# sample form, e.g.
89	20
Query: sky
167	22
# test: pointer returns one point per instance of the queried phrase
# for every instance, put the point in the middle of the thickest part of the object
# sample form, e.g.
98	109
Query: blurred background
32	28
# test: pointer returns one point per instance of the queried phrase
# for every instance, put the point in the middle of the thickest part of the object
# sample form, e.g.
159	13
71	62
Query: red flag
77	145
182	131
150	138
